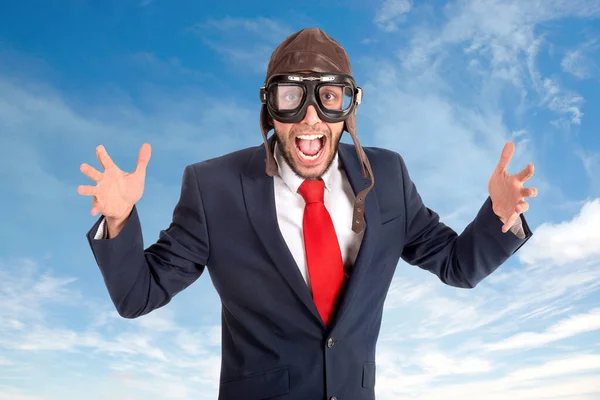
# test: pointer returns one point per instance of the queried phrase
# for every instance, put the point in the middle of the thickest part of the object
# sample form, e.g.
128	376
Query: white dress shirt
339	200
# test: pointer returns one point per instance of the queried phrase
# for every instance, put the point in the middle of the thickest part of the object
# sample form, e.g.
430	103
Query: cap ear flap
358	218
265	127
265	118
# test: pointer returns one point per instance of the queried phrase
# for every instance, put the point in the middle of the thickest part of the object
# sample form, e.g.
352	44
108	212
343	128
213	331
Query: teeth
310	137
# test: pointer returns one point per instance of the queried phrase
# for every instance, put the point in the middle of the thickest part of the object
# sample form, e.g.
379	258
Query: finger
507	153
86	190
529	192
143	159
95	208
91	172
525	174
104	158
522	207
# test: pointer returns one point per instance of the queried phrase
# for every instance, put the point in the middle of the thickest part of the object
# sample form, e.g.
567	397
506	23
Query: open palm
116	191
507	192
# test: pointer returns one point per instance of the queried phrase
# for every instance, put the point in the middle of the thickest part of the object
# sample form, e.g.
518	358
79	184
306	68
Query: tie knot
312	190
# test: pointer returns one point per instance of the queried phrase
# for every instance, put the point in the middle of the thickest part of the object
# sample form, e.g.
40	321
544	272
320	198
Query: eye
328	96
290	96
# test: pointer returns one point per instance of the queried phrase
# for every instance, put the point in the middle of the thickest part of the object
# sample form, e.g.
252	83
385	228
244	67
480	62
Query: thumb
143	159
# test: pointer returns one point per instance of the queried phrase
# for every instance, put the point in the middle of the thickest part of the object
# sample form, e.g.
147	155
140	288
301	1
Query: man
299	239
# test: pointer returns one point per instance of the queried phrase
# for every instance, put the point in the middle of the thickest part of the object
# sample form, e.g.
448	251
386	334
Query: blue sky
446	85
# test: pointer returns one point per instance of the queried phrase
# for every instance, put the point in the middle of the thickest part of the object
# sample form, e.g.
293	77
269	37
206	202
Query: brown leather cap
309	49
312	50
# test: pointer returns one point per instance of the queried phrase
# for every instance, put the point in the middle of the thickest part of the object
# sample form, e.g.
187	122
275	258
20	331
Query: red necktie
323	254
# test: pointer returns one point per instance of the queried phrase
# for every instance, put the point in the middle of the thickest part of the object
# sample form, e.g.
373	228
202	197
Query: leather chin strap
266	126
358	217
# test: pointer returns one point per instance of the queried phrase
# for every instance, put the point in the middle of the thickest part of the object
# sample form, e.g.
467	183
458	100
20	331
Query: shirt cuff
101	232
517	228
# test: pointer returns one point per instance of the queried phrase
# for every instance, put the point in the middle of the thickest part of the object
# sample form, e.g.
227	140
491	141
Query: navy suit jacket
274	344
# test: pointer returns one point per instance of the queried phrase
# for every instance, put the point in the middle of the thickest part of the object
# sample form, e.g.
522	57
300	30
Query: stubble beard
284	146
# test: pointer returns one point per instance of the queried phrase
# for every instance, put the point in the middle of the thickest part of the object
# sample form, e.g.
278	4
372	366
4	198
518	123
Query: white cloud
569	388
161	320
391	13
566	242
557	368
436	375
438	364
403	292
25	290
500	40
53	324
13	393
575	63
559	100
422	309
579	61
571	326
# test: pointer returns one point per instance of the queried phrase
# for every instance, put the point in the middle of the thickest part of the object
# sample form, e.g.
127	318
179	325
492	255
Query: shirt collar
292	180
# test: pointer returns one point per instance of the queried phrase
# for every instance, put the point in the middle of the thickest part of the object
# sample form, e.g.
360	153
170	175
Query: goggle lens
289	96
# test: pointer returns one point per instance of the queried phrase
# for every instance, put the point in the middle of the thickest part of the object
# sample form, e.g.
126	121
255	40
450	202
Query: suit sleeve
140	280
458	260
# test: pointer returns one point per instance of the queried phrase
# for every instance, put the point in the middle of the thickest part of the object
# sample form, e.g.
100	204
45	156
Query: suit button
330	343
333	398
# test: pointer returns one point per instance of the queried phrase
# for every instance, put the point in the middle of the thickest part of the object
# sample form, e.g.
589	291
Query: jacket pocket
369	372
257	386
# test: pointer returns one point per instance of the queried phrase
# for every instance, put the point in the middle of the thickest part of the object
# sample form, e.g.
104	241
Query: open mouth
310	147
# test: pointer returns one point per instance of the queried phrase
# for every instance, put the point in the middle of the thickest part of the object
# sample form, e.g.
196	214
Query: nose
311	117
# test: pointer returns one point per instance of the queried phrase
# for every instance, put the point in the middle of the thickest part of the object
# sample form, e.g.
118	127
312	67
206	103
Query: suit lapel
352	167
259	197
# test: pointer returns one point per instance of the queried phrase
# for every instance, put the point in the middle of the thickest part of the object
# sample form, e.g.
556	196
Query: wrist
114	225
499	215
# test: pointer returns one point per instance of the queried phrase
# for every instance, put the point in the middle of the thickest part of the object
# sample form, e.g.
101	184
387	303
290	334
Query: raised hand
116	191
507	192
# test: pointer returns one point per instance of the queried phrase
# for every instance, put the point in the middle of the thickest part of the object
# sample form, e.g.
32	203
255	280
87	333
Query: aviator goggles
287	96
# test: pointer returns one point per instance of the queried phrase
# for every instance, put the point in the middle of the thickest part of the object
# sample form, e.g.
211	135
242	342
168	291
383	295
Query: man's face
310	145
